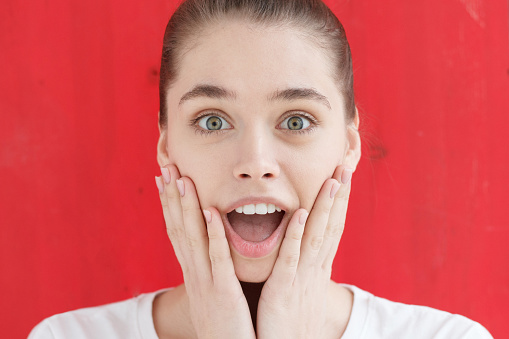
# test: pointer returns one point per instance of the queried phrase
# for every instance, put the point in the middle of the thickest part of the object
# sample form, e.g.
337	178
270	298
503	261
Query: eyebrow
208	91
289	94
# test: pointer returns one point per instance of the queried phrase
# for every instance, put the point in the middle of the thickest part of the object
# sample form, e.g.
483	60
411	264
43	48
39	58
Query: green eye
213	123
295	123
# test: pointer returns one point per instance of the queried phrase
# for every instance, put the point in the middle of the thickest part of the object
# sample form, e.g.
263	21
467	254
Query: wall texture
80	219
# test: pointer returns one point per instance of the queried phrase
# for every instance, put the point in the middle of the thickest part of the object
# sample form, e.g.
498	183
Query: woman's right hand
217	304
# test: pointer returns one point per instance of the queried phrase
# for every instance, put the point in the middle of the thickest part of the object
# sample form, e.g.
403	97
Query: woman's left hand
293	302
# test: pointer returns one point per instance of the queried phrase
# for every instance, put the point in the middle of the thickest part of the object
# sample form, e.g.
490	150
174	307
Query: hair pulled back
312	17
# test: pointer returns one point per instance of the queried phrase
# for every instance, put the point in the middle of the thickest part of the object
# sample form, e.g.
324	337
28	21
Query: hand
293	302
218	307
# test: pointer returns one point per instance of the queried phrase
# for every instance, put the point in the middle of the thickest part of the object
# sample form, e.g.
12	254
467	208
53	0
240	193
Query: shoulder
131	318
375	317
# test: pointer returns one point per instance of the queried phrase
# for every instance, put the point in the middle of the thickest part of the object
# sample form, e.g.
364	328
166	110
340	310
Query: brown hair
313	17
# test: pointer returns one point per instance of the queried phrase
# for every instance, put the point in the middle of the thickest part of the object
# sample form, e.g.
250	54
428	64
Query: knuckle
192	242
217	258
295	236
327	269
292	260
164	201
186	208
342	196
174	232
172	196
215	235
316	242
335	230
324	208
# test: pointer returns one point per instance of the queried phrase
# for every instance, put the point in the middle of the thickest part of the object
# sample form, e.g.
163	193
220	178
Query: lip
250	249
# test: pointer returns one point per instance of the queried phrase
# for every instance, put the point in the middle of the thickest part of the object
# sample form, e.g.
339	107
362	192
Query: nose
256	157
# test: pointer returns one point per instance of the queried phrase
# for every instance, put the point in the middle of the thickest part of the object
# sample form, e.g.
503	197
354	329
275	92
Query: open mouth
256	226
255	230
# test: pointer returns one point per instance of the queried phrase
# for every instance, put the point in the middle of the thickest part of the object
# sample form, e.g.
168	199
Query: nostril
266	175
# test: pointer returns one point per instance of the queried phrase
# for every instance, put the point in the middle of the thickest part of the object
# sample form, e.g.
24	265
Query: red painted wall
80	220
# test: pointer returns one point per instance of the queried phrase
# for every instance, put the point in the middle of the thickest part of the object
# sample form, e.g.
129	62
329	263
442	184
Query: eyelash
194	123
313	123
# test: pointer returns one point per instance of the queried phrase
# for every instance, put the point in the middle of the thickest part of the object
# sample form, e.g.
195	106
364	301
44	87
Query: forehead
255	59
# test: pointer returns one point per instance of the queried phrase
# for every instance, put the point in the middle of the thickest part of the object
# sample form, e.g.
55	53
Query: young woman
258	142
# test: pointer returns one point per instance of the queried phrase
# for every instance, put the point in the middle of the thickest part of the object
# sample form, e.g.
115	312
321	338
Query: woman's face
256	118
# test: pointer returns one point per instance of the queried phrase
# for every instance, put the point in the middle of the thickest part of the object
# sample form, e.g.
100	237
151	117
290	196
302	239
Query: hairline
190	40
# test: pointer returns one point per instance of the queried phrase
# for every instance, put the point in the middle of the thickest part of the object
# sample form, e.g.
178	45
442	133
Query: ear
162	146
353	144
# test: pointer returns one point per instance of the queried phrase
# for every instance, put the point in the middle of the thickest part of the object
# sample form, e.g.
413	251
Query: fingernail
334	189
166	174
180	187
303	217
159	184
346	176
207	215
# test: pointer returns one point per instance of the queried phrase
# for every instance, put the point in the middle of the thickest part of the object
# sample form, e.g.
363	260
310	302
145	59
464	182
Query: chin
253	270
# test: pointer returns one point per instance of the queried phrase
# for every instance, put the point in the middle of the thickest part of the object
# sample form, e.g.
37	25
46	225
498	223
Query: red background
81	222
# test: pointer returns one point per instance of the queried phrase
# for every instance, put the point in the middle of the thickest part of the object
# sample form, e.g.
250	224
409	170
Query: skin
256	156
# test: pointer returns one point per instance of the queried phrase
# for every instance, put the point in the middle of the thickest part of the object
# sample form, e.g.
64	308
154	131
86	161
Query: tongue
255	227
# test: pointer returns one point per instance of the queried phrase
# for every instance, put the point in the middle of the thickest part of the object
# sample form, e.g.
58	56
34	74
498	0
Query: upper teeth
258	209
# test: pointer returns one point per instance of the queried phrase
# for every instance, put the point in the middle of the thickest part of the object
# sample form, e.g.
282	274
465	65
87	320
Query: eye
213	123
295	123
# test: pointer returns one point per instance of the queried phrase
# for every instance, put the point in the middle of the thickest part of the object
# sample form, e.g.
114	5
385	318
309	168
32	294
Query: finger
316	224
197	242
219	251
337	218
170	176
172	219
285	268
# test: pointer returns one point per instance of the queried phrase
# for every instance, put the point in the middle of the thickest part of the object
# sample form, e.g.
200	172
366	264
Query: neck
252	292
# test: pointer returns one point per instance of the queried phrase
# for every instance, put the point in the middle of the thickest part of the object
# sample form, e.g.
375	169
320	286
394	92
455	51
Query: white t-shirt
372	318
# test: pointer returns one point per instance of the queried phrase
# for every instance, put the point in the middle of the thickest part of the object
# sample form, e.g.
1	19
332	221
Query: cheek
308	170
185	151
201	165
